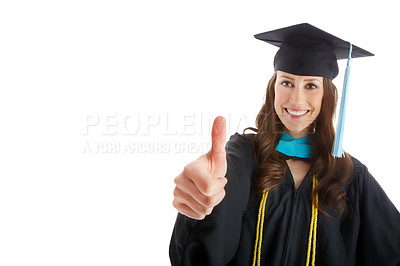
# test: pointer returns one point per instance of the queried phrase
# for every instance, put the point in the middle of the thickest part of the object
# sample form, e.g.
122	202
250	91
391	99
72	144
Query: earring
313	129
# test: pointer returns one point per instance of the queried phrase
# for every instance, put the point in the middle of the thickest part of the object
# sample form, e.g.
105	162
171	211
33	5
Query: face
297	101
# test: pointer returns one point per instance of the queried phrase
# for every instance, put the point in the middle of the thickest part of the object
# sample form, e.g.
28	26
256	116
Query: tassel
337	150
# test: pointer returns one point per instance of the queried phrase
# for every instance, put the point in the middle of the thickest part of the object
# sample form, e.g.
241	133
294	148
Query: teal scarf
295	148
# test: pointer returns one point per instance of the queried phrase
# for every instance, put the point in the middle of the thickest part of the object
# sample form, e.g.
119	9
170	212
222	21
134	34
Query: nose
297	96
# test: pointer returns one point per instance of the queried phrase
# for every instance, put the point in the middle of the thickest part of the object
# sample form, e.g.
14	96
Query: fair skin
298	103
200	186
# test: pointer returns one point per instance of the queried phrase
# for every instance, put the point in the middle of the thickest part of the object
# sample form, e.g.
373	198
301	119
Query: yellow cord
259	232
309	237
315	208
313	229
312	236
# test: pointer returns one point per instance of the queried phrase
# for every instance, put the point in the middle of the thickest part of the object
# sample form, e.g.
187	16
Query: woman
278	197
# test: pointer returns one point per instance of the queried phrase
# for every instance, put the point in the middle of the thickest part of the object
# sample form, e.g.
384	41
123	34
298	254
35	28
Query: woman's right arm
209	234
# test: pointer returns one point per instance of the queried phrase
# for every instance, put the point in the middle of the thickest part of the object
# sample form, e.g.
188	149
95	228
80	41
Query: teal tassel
337	150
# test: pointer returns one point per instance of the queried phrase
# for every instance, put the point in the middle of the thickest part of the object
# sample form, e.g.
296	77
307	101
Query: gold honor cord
312	236
260	225
313	229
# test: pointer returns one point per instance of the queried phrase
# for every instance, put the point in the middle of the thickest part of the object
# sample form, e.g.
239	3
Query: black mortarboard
308	51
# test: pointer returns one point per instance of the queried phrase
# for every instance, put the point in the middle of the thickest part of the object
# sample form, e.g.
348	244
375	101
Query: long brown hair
332	173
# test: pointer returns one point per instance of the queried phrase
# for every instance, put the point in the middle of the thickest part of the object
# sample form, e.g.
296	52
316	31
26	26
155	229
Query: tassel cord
337	149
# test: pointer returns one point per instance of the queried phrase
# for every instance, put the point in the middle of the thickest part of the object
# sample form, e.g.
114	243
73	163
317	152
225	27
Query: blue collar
295	148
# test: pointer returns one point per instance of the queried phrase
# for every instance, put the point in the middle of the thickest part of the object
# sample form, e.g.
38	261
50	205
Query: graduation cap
306	50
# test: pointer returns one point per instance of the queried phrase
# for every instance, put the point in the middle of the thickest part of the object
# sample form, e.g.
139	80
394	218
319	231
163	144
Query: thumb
217	153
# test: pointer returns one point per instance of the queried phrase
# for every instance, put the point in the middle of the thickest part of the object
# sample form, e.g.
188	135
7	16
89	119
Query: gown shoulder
372	219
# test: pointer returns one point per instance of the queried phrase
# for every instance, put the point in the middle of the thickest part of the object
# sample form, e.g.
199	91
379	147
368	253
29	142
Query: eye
287	84
311	86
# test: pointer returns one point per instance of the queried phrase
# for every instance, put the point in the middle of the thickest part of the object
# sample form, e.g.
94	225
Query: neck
296	134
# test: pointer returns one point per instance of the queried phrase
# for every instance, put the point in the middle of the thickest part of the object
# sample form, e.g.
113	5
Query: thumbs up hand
200	187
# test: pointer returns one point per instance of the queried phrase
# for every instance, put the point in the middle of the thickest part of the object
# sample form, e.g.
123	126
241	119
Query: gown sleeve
379	235
214	240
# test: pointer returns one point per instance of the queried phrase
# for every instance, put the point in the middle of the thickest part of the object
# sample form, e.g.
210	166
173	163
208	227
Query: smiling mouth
296	113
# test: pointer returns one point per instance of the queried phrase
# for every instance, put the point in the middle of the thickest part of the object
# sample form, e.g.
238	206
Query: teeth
296	112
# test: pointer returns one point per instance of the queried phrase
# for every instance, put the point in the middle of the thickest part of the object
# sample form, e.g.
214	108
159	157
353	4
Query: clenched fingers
188	186
205	183
186	199
187	211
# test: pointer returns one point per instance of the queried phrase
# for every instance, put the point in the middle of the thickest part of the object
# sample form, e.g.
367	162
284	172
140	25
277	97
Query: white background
76	74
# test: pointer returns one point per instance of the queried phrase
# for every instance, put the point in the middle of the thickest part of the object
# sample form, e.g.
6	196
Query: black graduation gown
369	233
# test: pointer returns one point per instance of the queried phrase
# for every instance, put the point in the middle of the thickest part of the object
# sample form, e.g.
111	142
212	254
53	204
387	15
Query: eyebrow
312	80
286	77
